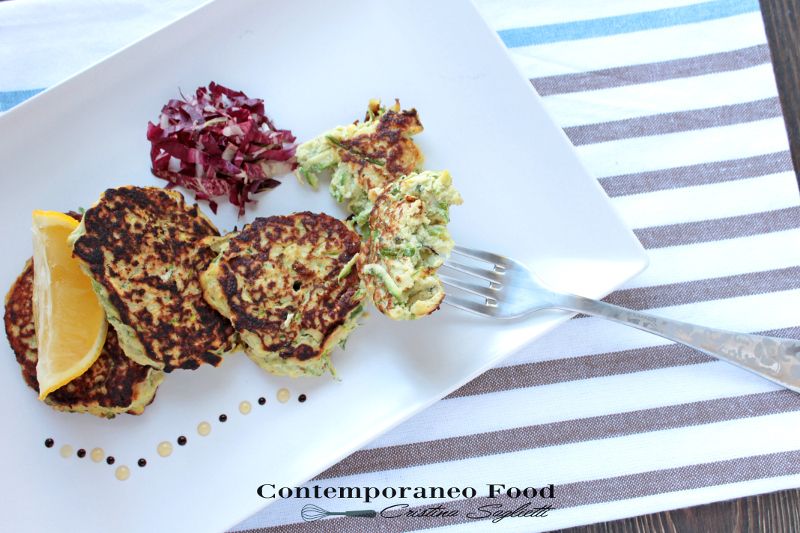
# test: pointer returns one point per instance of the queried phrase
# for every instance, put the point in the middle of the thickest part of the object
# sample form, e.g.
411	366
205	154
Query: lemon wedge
70	322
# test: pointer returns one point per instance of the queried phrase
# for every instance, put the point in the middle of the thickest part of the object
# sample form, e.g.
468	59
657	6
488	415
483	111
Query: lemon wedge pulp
70	322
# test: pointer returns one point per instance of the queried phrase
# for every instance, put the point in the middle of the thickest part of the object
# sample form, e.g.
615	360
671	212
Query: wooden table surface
782	21
779	511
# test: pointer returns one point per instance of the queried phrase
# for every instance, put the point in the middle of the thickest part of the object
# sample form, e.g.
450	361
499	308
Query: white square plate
316	64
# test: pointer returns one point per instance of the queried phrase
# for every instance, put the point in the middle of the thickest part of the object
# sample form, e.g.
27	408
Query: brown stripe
571	495
704	173
702	290
564	432
678	121
592	366
719	229
650	72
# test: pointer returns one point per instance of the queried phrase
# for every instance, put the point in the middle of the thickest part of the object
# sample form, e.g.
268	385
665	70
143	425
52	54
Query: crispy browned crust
112	384
319	298
19	324
142	245
385	219
407	243
390	145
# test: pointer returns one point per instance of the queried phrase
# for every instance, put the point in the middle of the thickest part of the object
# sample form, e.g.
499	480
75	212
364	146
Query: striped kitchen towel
672	105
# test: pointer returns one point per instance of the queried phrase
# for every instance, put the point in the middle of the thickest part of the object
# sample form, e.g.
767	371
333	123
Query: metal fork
506	288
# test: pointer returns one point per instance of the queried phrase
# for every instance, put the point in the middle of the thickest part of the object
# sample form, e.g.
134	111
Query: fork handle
773	358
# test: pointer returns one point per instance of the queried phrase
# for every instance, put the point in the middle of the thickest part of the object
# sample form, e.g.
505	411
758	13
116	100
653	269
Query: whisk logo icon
312	513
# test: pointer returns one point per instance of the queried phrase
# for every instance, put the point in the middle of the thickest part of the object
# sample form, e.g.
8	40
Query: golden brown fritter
113	384
408	242
364	156
382	154
20	330
141	247
288	285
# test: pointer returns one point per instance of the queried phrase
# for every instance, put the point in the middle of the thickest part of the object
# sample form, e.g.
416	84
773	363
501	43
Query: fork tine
469	305
484	291
488	275
481	255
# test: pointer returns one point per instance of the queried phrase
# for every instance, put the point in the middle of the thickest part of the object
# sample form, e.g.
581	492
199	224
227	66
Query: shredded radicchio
219	143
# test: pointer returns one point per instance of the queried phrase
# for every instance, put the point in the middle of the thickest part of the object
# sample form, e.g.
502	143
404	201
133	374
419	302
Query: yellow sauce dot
203	429
244	407
284	395
164	449
97	454
66	451
122	473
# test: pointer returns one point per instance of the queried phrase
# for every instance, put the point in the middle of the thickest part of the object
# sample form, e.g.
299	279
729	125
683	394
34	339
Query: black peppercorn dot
262	401
81	453
142	462
181	440
301	398
223	418
110	459
49	443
